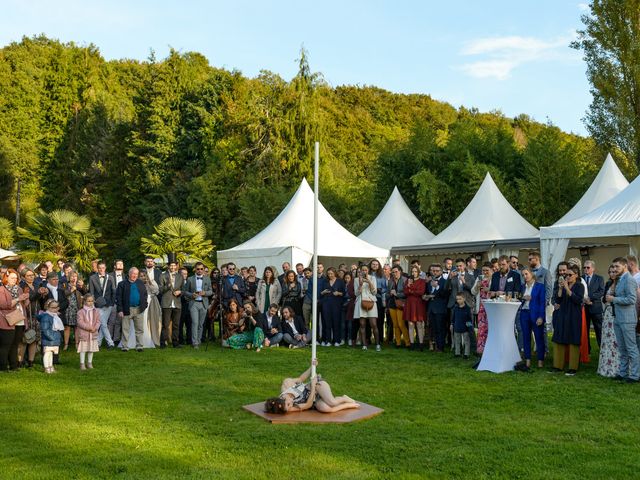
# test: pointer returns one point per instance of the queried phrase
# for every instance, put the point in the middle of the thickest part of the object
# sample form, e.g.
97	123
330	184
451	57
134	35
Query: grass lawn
177	413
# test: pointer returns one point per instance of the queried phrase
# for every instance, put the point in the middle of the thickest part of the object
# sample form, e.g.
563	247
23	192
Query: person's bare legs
363	328
373	322
323	390
324	408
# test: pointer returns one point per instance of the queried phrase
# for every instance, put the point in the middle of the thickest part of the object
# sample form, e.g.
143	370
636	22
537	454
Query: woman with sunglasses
567	320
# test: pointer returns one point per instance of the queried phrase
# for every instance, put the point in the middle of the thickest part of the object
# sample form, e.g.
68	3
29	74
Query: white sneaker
364	347
378	348
350	343
341	343
274	345
337	344
323	344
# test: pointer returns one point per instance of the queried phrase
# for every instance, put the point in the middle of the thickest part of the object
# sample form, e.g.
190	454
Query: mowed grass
178	414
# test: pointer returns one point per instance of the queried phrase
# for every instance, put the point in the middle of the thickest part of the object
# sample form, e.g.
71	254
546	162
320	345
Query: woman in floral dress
609	362
481	290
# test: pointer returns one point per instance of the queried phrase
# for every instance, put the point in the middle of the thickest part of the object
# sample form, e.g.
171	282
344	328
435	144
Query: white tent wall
272	257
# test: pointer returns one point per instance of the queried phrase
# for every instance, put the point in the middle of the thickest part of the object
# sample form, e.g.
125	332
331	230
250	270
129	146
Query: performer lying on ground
296	396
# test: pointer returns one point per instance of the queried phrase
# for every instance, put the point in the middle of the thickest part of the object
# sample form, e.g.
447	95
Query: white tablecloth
501	349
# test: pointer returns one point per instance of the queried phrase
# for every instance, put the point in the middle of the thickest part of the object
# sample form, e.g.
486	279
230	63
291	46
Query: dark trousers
170	316
185	321
439	325
473	343
389	323
8	357
331	320
381	318
528	324
596	319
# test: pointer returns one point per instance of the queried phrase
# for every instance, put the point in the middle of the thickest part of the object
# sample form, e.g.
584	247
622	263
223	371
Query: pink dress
483	325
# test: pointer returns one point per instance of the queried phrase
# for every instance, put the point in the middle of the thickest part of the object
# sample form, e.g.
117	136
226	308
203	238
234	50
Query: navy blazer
595	292
438	304
299	324
122	296
512	285
538	301
263	323
228	292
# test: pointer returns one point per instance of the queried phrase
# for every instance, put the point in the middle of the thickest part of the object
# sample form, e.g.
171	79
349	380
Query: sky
506	55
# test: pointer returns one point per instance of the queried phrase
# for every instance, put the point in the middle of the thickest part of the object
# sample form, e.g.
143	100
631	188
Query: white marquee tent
616	221
289	238
396	225
608	183
488	224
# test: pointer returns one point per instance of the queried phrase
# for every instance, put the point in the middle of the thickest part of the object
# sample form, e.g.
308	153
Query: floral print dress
609	363
483	324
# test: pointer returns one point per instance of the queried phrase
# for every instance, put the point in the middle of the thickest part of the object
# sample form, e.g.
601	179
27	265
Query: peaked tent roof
607	184
488	217
293	227
618	217
396	225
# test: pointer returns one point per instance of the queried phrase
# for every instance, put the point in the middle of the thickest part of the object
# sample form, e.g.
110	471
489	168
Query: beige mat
313	416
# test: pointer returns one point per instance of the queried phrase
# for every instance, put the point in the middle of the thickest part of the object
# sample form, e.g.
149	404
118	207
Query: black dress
291	297
567	320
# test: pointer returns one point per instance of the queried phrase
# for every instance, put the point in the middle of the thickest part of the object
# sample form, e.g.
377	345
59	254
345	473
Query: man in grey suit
103	289
626	318
171	283
197	291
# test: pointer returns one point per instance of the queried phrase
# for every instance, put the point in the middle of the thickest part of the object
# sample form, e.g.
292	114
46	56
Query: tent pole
314	303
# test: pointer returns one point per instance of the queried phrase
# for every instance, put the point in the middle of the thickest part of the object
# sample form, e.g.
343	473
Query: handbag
399	303
29	336
16	316
367	304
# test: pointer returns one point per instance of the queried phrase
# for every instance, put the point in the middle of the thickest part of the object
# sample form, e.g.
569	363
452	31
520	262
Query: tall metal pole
314	303
18	204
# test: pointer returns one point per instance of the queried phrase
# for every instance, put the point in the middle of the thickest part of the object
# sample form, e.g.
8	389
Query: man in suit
103	289
115	322
286	266
593	306
198	291
55	291
271	325
171	283
295	332
542	275
505	280
153	273
131	302
438	297
460	282
626	318
232	286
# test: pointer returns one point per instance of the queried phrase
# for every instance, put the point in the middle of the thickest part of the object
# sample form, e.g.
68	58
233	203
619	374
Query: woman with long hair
74	297
242	322
348	306
415	310
609	361
296	396
268	291
331	301
366	308
567	320
292	292
481	289
13	301
251	284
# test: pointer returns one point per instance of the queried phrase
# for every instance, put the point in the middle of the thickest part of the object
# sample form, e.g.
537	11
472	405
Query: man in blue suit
505	280
626	318
593	306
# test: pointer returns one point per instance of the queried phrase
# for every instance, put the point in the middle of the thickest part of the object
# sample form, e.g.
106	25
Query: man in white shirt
271	325
115	322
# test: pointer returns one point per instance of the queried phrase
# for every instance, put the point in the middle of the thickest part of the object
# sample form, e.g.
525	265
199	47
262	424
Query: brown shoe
90	365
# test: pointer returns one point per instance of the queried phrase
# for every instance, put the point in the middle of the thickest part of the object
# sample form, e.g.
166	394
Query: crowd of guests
363	306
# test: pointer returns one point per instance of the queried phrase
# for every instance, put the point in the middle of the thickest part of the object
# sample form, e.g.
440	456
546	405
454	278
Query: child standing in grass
87	332
51	327
462	321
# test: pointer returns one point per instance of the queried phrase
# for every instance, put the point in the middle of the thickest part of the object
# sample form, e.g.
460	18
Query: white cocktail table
501	349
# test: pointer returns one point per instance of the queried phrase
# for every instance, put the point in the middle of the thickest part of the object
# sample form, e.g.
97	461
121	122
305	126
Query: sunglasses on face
199	269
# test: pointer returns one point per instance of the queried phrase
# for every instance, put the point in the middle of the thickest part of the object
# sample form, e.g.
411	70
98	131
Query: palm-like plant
6	233
59	234
184	237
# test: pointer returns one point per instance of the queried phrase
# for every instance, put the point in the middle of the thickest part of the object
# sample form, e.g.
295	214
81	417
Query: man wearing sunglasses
593	306
232	286
197	291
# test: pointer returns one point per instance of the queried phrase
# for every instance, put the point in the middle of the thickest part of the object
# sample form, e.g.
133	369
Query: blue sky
503	55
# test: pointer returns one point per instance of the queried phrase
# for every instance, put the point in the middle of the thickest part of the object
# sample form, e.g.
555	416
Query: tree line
129	143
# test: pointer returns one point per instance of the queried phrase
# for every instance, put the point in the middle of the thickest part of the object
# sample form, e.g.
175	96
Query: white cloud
583	7
501	55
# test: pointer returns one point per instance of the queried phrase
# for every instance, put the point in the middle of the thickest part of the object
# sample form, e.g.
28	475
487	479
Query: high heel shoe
66	347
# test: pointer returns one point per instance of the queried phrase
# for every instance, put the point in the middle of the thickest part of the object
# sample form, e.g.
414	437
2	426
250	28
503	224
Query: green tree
59	234
6	233
184	237
610	42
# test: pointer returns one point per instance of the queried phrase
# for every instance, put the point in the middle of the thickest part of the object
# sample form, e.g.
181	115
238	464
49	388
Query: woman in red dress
414	308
